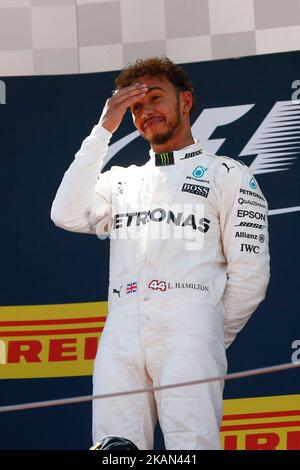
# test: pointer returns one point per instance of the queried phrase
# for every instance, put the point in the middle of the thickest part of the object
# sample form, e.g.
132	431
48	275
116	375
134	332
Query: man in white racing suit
189	261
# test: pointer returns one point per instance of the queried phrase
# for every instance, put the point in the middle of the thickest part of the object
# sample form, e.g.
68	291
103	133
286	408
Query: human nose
148	109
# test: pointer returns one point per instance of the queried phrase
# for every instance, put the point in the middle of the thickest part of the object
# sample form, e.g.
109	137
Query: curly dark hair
156	67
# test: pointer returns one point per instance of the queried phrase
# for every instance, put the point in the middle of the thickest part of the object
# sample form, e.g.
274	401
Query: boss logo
195	189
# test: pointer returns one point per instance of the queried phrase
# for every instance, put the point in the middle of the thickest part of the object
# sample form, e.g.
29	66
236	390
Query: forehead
154	82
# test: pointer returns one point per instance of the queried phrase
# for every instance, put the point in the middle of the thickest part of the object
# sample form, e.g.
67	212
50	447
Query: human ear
187	99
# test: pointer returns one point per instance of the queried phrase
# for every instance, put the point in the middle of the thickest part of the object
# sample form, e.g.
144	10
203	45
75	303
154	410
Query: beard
159	138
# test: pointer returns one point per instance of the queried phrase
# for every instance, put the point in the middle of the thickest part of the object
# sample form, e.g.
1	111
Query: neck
177	142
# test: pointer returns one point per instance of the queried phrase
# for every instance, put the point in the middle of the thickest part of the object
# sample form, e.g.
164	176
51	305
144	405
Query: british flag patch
131	287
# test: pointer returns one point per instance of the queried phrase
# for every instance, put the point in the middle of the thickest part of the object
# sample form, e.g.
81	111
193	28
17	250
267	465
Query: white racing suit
175	302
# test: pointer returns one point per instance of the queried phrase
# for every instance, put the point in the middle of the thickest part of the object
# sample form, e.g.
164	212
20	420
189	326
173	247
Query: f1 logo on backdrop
275	142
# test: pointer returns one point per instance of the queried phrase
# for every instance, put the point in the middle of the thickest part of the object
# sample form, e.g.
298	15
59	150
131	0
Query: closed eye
135	107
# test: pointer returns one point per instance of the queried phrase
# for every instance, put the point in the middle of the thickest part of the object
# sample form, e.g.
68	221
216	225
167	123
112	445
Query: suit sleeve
244	228
83	200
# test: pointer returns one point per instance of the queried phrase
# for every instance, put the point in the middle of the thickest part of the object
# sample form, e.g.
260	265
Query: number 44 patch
158	285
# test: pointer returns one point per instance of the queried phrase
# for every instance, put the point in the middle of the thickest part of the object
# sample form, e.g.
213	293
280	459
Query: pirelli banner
53	289
266	423
50	340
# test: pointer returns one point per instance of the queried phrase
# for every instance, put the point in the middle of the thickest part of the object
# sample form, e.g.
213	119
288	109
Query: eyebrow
155	88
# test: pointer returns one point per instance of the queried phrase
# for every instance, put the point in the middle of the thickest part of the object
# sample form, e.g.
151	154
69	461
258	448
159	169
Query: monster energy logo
163	159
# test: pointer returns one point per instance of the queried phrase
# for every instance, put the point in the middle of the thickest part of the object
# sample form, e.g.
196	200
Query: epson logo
251	214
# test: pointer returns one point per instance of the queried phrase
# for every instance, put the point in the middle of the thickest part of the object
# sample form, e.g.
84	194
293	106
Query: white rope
85	398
